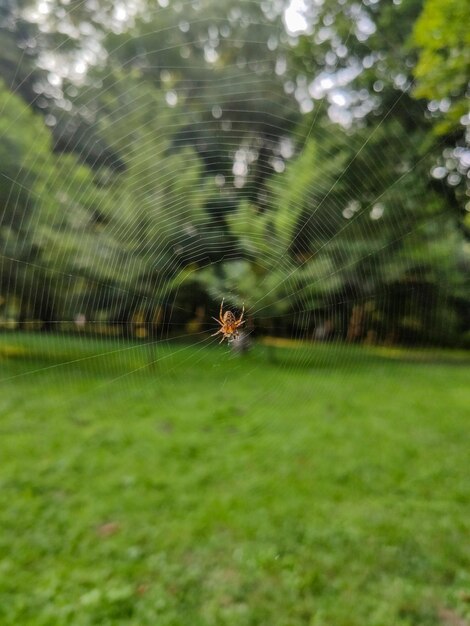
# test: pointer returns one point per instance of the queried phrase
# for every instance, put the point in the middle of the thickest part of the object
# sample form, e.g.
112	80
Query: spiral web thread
125	354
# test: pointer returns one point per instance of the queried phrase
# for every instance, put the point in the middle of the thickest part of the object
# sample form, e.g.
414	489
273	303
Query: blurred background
308	159
305	159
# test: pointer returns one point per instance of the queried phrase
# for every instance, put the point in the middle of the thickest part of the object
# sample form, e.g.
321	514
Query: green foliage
216	59
155	210
442	35
413	237
270	278
368	45
26	163
193	497
378	237
24	154
185	101
81	227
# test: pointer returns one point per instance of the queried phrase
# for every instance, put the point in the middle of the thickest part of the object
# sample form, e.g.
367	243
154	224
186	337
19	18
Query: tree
26	162
45	57
360	59
277	282
442	72
223	65
374	253
442	77
128	239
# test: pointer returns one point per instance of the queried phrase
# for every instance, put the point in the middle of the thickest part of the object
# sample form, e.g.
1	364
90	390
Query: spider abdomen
229	318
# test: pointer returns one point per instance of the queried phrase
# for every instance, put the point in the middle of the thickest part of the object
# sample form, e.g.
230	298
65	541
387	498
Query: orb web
164	159
137	254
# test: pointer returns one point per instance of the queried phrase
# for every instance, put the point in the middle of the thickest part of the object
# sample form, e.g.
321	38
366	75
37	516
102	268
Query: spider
228	324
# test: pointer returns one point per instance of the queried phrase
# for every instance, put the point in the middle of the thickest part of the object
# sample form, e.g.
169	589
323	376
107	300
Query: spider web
289	287
120	342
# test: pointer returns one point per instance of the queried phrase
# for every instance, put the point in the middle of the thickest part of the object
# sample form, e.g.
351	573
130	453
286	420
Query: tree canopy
155	159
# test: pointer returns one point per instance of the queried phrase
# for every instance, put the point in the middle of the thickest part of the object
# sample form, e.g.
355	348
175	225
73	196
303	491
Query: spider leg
239	320
221	309
214	318
222	339
219	331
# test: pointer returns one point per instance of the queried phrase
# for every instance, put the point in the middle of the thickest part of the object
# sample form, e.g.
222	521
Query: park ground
181	486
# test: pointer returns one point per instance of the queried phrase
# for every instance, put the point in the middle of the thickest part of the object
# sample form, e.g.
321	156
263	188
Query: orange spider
228	324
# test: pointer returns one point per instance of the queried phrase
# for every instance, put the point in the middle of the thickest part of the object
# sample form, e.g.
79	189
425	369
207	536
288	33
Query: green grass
330	488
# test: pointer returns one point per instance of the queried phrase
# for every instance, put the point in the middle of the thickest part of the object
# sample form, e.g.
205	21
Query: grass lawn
330	488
